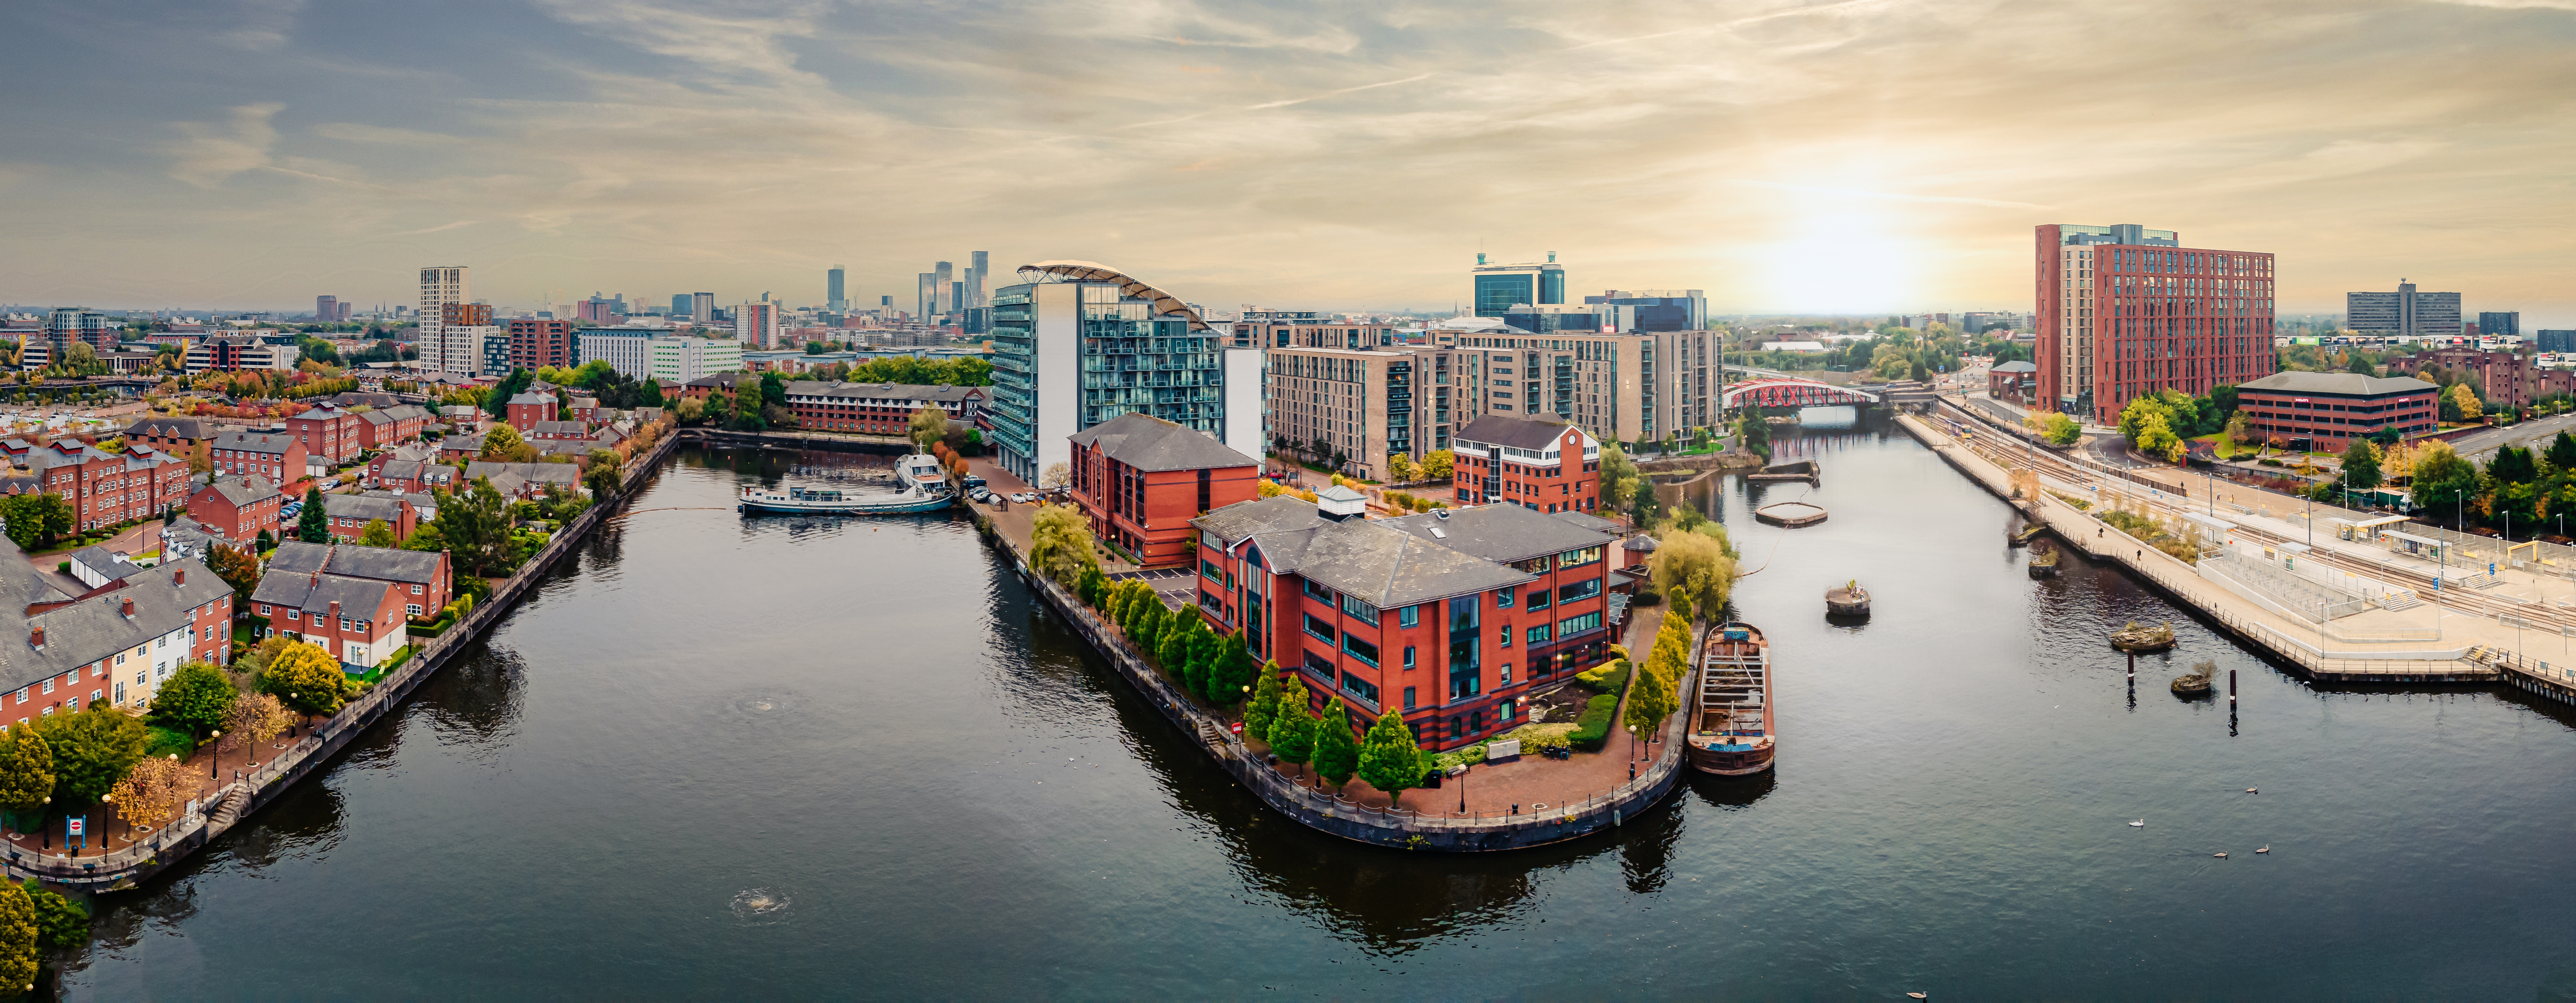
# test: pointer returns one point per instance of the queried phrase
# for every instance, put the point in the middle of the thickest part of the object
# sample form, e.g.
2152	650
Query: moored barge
1730	722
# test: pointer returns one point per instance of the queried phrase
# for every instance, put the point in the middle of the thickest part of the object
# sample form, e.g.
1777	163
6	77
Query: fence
119	868
1332	813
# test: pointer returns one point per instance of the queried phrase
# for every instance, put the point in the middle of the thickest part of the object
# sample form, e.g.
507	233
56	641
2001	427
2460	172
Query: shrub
167	741
1534	737
1609	677
1593	728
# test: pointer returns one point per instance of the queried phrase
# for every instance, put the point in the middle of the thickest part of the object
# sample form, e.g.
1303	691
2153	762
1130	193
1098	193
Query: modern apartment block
440	288
2126	311
2556	339
1307	329
1078	344
702	307
755	325
676	361
1659	309
538	343
1498	288
836	290
2500	323
1366	404
67	326
1628	387
2405	313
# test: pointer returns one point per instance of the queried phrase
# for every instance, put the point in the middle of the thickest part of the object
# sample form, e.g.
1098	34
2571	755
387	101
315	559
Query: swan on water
2263	849
2220	856
2139	824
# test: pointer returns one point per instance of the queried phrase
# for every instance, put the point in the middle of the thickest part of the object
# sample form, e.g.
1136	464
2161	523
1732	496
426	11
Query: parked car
1025	497
973	481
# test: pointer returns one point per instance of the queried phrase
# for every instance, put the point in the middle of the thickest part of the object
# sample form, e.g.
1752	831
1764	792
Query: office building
1139	480
1498	288
2125	311
675	361
329	310
1658	309
2557	340
2506	323
440	288
1545	465
1596	318
755	325
979	273
1076	344
942	293
536	344
835	295
2405	313
626	349
2326	411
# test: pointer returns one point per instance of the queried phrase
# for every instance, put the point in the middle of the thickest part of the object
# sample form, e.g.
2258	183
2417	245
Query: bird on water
2263	849
2139	824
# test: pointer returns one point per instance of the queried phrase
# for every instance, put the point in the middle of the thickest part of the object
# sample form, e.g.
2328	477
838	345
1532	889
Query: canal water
783	757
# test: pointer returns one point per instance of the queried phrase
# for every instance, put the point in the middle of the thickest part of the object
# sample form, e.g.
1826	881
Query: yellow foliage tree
2467	399
308	677
151	792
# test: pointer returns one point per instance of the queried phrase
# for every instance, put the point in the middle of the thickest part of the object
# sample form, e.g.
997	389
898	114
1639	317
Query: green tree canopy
1292	729
1390	759
194	699
1337	751
376	534
475	525
37	519
1264	706
92	749
2360	466
1619	478
26	771
1060	544
1693	572
306	677
313	525
2443	480
2562	453
2513	465
18	935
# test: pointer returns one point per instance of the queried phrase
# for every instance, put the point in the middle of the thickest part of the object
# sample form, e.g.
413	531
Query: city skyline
1846	158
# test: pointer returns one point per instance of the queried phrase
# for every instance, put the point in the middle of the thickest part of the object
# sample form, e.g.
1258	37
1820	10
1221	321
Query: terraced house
329	432
423	577
114	644
108	488
276	455
236	507
1449	617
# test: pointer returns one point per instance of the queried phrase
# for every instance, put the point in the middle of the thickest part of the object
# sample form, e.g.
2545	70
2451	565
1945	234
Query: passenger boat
920	486
1730	725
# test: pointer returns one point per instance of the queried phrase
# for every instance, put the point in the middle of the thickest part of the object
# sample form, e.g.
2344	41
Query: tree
1694	572
1401	469
2134	417
1619	478
308	677
1172	647
2513	465
1264	706
92	749
1390	759
313	525
1439	465
2466	400
1292	732
151	792
1060	545
376	534
1337	751
1058	476
496	401
195	699
475	524
37	519
605	474
26	774
929	425
2158	439
18	934
506	444
2443	479
1753	434
236	567
2061	430
254	718
1235	669
60	922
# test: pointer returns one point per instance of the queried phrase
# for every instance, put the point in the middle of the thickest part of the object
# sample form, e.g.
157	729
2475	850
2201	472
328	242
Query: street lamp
214	763
110	801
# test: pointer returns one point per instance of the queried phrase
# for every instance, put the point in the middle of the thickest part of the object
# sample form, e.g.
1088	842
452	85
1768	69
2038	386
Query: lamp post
215	761
110	801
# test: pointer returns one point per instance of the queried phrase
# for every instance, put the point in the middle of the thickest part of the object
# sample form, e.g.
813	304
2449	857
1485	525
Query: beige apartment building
1365	404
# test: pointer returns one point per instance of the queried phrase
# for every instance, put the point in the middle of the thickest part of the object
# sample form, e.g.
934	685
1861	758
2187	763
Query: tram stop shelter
2363	530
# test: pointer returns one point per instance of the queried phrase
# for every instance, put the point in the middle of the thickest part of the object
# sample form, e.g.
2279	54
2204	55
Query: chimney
335	609
129	607
36	638
179	577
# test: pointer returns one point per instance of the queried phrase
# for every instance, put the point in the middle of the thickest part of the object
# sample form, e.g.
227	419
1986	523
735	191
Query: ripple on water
759	906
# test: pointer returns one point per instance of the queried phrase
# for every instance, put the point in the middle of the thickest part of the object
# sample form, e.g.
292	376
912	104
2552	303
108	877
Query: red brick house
387	427
1140	480
108	488
350	514
425	579
277	456
236	507
587	411
527	409
1550	466
177	436
114	645
418	477
358	620
328	432
1448	617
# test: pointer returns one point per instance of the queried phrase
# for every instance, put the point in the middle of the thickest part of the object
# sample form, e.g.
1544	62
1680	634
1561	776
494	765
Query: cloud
1887	196
211	152
2515	4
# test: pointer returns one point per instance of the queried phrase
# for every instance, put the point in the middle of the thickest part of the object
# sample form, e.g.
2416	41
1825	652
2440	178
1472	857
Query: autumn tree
307	677
1390	759
1438	465
255	718
151	792
1694	572
1060	545
927	426
238	568
194	700
92	750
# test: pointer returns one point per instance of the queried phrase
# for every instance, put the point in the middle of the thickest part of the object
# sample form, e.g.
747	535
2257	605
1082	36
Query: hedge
1602	713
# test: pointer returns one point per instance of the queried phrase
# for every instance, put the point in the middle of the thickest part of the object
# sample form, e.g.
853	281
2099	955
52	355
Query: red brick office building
2332	409
1549	466
1140	480
2125	311
1448	617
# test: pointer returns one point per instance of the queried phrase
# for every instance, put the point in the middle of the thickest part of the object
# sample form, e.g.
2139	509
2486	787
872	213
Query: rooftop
1148	443
2349	384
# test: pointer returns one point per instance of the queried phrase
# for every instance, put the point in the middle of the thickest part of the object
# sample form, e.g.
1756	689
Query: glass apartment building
1498	288
1659	309
1082	345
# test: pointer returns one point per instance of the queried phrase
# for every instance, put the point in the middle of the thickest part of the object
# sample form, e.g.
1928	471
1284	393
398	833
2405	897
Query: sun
1835	262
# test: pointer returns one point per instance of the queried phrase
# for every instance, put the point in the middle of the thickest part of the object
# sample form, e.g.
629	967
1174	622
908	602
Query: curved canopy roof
1092	271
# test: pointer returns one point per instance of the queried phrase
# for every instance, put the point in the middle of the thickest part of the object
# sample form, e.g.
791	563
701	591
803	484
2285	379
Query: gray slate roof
1379	563
90	629
537	473
360	596
1148	443
1518	433
244	489
2348	384
185	428
257	442
362	507
103	561
297	558
1504	532
2015	366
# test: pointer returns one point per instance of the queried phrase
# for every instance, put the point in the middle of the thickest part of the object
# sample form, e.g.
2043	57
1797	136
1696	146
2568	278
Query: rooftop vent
1441	514
1339	502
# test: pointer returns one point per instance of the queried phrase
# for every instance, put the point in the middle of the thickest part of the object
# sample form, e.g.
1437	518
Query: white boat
920	486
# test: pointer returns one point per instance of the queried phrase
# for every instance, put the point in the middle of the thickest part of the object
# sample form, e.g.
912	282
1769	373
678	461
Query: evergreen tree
1292	730
2562	452
1390	759
1337	752
1264	705
1235	668
314	524
1172	646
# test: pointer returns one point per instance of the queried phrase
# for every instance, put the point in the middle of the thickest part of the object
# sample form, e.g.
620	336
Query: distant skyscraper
2125	311
979	274
2404	313
440	288
755	325
702	307
928	298
683	305
330	310
834	294
1501	287
2507	323
885	301
941	274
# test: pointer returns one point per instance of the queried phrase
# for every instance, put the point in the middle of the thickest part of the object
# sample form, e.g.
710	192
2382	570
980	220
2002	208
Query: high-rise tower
441	287
835	295
2125	311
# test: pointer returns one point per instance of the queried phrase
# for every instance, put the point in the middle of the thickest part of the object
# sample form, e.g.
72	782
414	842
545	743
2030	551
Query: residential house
270	453
358	620
527	480
527	409
350	514
425	578
236	507
412	476
115	644
329	433
176	436
386	427
1140	480
96	566
459	448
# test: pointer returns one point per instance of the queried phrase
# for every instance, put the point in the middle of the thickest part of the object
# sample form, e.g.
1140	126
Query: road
2536	433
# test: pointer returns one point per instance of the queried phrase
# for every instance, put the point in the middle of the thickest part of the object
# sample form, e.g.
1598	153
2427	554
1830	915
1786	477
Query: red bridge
1788	392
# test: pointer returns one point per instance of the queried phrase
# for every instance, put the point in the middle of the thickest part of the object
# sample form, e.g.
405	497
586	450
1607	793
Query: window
1315	590
1578	558
1408	656
1360	688
1538	598
1502	598
120	658
263	609
1584	589
1505	632
1409	616
1319	665
291	614
1358	610
1573	625
1507	676
49	687
1208	568
1317	627
1362	650
1538	634
415	590
1408	698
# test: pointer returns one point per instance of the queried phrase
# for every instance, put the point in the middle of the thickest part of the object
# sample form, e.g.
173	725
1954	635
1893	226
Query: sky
1858	156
